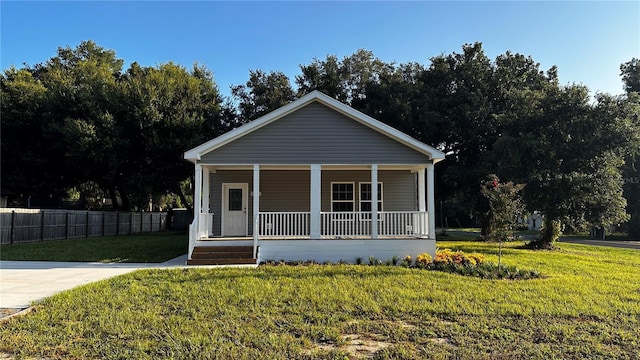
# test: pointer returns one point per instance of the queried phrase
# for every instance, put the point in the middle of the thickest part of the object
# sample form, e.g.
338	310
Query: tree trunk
550	233
114	198
184	199
486	229
126	204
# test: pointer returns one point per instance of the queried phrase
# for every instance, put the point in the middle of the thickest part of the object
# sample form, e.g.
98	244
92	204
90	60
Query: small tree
505	206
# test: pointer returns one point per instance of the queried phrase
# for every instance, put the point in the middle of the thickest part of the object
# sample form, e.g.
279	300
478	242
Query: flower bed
473	264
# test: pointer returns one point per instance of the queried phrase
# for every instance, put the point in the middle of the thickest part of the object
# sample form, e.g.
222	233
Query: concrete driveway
23	282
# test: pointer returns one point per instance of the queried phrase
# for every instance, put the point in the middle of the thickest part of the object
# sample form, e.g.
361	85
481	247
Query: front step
221	261
221	255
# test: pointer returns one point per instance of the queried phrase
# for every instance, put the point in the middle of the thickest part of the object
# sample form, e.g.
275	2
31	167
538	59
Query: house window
342	198
365	196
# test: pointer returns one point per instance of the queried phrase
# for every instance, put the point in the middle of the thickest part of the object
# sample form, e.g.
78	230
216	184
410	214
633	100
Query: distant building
532	221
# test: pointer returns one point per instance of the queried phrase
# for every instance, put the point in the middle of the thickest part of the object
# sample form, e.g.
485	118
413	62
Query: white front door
234	209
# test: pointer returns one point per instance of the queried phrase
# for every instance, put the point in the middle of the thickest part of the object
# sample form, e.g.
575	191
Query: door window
235	199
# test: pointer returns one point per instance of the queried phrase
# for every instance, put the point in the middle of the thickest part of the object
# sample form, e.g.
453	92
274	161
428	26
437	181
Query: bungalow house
314	179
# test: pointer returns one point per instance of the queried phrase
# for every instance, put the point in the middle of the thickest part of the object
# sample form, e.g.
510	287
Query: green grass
456	235
139	248
586	307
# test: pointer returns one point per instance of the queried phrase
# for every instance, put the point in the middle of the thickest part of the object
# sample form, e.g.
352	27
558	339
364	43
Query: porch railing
206	225
345	225
358	224
284	224
403	223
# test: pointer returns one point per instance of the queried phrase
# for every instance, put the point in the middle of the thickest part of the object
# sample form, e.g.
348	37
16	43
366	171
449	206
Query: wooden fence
31	225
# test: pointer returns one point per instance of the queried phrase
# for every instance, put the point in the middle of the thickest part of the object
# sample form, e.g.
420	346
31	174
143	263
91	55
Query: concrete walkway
23	282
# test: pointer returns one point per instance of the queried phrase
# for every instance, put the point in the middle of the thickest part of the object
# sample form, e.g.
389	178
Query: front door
234	209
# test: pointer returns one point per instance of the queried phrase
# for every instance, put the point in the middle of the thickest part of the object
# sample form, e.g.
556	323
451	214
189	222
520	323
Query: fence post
86	230
42	226
103	222
117	223
141	221
13	225
66	224
130	223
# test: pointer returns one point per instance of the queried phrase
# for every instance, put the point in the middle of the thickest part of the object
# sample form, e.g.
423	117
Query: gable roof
315	96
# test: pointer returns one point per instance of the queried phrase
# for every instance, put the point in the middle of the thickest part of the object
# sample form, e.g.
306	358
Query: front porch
229	213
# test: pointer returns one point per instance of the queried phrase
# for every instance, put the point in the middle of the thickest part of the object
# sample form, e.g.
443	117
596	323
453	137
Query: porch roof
196	153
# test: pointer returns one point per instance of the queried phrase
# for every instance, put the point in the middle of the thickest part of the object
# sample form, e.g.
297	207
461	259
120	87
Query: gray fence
31	225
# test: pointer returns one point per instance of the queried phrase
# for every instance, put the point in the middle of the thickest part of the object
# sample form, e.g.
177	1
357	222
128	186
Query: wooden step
221	255
220	261
224	248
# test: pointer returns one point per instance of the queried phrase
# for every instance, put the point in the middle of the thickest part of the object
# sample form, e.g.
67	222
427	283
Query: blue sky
586	40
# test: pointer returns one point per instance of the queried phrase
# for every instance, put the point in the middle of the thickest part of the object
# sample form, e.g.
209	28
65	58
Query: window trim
380	194
352	201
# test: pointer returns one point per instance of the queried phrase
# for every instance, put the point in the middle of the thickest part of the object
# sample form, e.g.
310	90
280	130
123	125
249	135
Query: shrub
457	262
407	261
424	260
448	256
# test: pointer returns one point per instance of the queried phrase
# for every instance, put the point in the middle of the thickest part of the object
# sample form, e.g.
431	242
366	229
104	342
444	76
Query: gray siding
399	188
289	190
284	190
314	134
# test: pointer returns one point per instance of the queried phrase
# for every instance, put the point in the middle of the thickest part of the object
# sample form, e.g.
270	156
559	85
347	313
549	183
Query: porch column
197	200
315	199
205	201
422	198
256	206
431	202
374	201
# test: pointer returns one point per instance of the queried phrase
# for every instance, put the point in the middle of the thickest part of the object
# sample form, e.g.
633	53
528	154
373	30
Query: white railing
345	224
206	225
403	223
358	224
193	236
284	224
340	225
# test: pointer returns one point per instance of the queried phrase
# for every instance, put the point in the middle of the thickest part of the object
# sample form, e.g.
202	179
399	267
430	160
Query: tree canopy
78	118
81	121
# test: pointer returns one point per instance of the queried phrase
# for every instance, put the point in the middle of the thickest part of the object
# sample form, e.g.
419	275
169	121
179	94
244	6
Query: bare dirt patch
363	347
358	346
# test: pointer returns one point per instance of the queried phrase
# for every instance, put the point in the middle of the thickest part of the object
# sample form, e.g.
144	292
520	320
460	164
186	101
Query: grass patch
456	235
588	307
138	248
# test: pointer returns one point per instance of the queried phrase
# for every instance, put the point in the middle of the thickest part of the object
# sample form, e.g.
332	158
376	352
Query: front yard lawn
586	307
138	248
